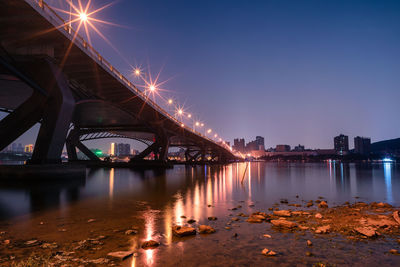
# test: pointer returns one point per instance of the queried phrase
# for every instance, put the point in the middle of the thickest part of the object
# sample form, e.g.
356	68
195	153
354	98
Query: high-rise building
362	145
282	148
238	145
260	143
123	149
341	144
113	149
28	148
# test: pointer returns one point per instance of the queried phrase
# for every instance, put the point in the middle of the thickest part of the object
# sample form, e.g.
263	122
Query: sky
295	72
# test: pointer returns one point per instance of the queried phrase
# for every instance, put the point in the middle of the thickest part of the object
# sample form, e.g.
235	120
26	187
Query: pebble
267	236
183	231
323	205
394	252
308	254
267	252
91	220
150	244
6	242
206	229
183	217
212	218
120	255
318	216
309	243
190	221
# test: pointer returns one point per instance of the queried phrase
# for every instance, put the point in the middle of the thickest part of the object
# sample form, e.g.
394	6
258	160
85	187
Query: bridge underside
47	79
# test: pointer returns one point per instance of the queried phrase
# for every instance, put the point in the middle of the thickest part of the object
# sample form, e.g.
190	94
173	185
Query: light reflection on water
188	190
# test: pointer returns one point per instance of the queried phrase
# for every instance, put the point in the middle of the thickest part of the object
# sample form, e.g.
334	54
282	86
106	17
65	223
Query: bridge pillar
57	115
51	104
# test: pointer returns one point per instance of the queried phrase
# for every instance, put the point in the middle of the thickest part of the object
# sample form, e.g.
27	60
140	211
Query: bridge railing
51	15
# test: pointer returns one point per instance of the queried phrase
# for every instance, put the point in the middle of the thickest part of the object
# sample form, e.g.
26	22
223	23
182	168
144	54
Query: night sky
295	72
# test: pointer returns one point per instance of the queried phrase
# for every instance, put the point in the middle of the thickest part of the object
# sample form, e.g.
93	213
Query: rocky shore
358	222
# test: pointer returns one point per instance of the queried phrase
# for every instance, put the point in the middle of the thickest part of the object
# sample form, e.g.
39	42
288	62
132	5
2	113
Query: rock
383	205
209	206
131	232
255	219
242	215
41	223
309	204
206	229
366	231
309	243
62	230
120	255
284	201
150	244
267	252
284	224
301	227
183	230
267	236
309	254
323	204
251	205
235	235
235	219
49	245
270	209
190	221
183	217
396	216
91	220
6	242
282	213
318	216
394	252
228	228
323	229
212	218
31	243
99	261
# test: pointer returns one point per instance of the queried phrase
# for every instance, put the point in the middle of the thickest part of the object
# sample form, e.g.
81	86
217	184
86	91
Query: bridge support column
57	116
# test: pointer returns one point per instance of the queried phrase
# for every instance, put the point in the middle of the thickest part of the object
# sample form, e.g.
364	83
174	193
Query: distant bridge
79	97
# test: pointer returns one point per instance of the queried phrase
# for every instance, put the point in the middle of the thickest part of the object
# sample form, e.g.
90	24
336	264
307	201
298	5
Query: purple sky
291	71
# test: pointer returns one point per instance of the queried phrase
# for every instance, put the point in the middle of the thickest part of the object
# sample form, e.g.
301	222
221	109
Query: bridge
80	96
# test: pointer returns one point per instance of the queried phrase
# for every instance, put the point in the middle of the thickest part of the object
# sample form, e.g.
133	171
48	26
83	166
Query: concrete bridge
80	96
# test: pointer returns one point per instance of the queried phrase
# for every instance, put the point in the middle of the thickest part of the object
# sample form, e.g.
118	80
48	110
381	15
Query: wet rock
267	252
242	215
131	232
318	216
323	229
228	228
206	229
309	204
255	218
270	209
317	201
394	252
284	224
32	243
91	220
99	261
6	242
366	231
41	223
190	221
282	213
212	218
396	216
183	231
323	205
235	219
120	255
150	244
267	236
183	217
209	206
309	243
49	245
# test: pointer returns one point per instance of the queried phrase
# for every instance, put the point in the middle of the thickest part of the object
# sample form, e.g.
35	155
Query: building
282	148
123	149
341	144
299	148
239	145
252	146
362	145
113	149
28	148
260	143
